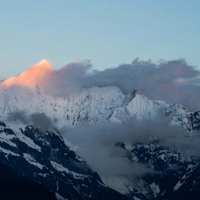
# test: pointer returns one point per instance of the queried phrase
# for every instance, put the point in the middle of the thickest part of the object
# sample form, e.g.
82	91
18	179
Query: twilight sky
107	32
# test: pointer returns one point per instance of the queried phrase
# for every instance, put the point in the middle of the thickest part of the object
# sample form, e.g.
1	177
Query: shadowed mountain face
43	162
43	157
13	186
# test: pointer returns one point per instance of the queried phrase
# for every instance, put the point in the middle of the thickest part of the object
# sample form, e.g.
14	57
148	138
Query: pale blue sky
108	32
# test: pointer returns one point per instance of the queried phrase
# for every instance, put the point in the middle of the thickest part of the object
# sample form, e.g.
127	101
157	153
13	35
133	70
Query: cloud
38	120
172	81
97	144
19	116
67	80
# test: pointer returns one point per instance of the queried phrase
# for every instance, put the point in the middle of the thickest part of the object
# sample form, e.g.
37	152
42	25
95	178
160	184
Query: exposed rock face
44	158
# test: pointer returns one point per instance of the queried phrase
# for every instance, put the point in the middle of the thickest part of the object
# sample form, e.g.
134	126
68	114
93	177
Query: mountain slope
172	176
44	158
12	186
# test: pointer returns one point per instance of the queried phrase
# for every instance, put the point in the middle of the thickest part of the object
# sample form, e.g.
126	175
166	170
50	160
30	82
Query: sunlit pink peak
36	70
34	74
44	64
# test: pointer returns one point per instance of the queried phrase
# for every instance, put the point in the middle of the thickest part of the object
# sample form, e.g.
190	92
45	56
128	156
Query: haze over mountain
172	81
105	118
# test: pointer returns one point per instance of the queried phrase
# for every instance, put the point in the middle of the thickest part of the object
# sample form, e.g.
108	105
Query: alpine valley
94	143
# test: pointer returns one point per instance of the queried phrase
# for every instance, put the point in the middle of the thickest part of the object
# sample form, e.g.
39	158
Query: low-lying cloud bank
97	144
38	120
172	81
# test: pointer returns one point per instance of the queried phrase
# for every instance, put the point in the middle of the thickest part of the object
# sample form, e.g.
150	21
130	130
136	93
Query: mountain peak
44	63
34	74
132	95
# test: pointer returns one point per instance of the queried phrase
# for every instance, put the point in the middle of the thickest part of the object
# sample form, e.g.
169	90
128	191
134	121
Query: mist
172	81
97	144
38	120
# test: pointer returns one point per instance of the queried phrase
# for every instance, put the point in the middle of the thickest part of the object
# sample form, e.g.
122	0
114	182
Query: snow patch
156	189
28	141
124	184
32	161
60	168
7	138
178	185
59	197
7	152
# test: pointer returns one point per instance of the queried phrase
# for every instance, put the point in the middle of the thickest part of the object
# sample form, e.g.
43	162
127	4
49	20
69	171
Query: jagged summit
34	74
132	95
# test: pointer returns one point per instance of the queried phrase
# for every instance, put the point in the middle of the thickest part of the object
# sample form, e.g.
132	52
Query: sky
106	32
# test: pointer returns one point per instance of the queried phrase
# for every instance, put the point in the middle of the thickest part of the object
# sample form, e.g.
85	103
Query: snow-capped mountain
25	93
92	105
42	155
171	175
